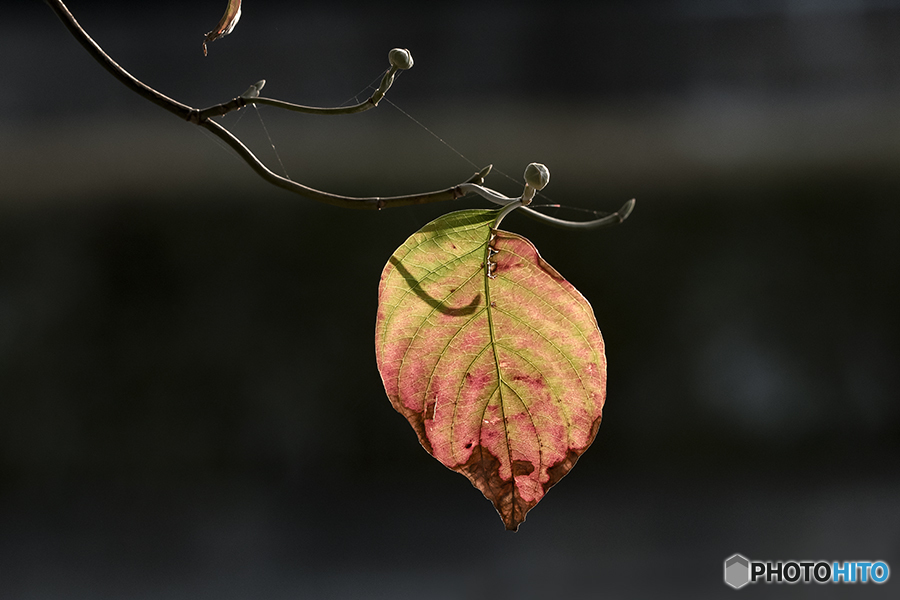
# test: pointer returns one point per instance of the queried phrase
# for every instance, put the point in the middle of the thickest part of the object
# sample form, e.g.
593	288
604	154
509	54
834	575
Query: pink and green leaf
501	370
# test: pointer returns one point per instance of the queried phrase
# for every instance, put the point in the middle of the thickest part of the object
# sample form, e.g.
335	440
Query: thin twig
374	202
203	119
522	202
243	100
240	102
613	219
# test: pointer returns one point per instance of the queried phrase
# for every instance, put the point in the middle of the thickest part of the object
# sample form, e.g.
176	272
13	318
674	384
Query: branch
537	176
131	82
372	202
606	221
399	59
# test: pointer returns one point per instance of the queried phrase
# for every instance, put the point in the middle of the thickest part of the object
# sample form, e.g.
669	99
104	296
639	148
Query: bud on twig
537	176
254	90
400	58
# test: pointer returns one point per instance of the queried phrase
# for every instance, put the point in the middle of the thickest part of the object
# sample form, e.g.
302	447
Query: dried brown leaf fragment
226	23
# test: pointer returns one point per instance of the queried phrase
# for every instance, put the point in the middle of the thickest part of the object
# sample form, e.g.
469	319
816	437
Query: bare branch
372	203
137	86
399	59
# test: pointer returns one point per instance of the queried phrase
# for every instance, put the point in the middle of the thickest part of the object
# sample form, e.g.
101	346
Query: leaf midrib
500	381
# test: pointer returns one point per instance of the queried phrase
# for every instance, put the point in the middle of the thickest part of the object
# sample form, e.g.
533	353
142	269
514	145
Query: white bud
253	90
400	58
537	175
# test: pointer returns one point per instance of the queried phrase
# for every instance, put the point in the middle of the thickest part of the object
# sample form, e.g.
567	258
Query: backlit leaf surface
503	378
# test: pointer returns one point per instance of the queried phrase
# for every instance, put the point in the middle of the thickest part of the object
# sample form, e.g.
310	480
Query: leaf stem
517	203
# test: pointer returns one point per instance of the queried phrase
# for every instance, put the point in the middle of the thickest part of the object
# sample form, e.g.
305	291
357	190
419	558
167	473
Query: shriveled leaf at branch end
226	23
501	371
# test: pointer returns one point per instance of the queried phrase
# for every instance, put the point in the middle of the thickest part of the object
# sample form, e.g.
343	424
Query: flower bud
537	175
253	90
400	58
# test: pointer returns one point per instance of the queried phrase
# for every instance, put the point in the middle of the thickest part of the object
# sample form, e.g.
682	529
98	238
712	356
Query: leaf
503	377
226	23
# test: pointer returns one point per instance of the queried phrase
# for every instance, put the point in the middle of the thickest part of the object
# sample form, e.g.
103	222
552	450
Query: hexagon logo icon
737	571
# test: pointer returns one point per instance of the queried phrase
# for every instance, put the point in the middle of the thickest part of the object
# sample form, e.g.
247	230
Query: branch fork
399	59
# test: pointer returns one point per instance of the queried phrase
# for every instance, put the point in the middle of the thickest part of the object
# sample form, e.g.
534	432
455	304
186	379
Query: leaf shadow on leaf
416	287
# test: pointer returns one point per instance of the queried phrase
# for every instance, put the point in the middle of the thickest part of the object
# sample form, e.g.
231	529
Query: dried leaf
500	371
226	23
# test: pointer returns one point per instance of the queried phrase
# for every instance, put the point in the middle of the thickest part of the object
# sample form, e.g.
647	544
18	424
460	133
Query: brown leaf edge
482	469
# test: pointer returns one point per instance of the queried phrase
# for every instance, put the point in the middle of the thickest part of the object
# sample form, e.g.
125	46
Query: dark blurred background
189	404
